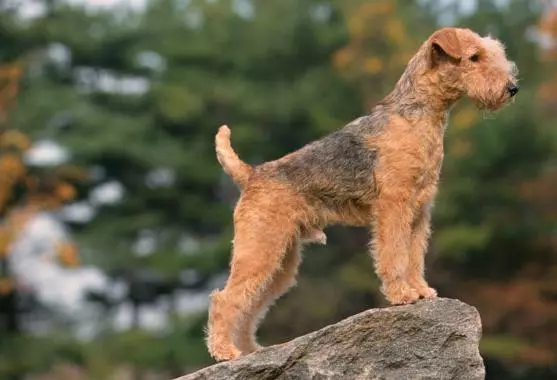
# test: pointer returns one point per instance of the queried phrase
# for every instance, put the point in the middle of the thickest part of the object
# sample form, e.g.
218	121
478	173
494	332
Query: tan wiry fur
240	173
380	171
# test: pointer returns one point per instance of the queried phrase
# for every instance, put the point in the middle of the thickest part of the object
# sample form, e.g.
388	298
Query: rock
432	339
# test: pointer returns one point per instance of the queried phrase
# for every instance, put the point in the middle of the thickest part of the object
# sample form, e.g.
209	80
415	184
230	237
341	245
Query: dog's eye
475	58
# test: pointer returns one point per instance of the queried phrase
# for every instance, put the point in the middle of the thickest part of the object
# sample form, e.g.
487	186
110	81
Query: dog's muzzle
512	89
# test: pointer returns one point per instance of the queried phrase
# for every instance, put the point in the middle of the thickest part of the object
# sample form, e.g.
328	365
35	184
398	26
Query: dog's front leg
391	249
418	247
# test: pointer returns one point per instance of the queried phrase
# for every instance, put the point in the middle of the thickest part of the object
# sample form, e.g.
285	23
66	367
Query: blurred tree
137	97
139	106
23	194
383	36
492	220
485	228
547	28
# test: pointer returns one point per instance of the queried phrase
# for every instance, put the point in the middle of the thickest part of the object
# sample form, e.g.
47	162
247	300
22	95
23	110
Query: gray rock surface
432	339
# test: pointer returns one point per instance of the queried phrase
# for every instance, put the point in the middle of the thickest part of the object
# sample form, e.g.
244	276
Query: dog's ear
445	45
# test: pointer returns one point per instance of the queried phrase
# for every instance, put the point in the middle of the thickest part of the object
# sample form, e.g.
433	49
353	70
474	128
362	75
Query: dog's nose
513	89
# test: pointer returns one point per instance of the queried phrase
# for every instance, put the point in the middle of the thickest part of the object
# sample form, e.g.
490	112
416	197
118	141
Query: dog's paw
401	295
423	288
224	354
427	292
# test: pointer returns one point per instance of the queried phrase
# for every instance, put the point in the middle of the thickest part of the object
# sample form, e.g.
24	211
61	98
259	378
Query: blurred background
115	217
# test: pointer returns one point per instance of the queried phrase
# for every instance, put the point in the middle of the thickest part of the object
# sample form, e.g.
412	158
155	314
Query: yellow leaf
373	8
67	254
395	31
11	163
6	286
65	192
5	195
15	139
356	26
5	240
342	58
373	65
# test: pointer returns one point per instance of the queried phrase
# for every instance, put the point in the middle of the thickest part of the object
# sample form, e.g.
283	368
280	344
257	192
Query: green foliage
45	352
276	74
502	346
457	240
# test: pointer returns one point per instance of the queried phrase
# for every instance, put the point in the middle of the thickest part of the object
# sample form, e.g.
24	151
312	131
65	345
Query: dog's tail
231	163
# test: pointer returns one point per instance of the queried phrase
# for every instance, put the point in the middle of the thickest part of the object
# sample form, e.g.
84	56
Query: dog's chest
410	155
431	158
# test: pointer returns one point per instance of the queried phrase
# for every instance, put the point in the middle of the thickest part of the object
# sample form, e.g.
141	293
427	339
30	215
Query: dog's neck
417	95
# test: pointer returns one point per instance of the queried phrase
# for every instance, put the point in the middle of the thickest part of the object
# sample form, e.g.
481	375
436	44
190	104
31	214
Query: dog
379	171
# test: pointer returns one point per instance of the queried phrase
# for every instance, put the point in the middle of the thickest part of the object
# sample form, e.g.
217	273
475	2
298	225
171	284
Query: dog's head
466	64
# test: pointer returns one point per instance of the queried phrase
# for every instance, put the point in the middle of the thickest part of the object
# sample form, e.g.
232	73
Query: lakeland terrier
380	171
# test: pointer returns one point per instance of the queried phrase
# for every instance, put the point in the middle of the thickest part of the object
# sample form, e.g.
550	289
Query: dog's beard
492	111
493	105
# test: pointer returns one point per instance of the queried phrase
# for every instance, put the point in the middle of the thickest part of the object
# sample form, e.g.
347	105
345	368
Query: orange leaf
373	65
6	286
67	253
15	139
65	192
11	164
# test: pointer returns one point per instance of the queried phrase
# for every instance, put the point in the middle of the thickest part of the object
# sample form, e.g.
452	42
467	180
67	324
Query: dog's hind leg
283	279
266	225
